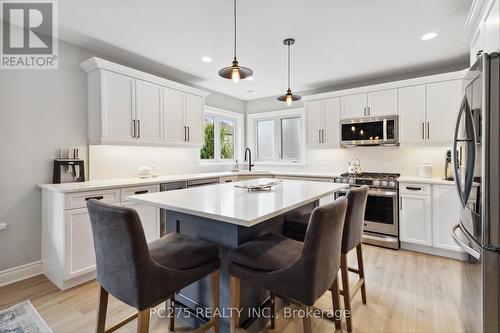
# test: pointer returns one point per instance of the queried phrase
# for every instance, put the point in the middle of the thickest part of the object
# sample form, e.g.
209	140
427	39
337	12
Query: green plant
207	152
226	144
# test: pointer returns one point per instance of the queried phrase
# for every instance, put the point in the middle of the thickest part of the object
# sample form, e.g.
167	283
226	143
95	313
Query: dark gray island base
227	236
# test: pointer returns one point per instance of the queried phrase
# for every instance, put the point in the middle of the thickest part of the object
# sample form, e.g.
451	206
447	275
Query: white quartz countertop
433	180
227	203
134	181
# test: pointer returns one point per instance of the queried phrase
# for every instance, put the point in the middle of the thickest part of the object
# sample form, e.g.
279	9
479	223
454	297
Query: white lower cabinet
68	254
415	219
79	243
150	218
426	218
446	213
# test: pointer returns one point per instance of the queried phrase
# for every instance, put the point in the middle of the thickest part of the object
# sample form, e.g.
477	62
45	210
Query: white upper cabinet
491	28
482	28
129	107
174	102
427	112
383	103
412	114
331	122
194	119
314	117
148	112
118	103
442	103
323	122
353	106
376	103
183	117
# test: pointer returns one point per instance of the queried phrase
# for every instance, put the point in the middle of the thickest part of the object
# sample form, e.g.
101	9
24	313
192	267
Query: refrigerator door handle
471	153
464	246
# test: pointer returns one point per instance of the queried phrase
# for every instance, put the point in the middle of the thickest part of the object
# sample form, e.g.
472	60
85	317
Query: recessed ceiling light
250	78
250	91
429	36
206	59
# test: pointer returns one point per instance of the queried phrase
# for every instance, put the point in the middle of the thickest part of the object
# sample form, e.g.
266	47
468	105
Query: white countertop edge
95	185
227	219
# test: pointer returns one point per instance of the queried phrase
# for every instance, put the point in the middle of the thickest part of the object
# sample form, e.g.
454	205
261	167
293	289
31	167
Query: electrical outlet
3	226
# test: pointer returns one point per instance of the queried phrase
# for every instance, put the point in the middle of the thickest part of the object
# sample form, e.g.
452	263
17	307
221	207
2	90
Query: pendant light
289	97
235	72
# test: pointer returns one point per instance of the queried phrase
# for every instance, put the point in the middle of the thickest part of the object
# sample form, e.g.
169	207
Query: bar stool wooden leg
272	298
336	304
345	290
101	310
361	268
171	312
234	283
143	321
215	288
307	321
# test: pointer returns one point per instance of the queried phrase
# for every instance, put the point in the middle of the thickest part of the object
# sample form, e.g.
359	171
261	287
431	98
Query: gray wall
42	110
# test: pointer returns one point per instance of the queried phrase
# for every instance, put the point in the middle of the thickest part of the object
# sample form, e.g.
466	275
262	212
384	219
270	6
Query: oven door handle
381	193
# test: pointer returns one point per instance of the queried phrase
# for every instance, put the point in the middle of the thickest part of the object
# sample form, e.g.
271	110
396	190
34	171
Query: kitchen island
229	216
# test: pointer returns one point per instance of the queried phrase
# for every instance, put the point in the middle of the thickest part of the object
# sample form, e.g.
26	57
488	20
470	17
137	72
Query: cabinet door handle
133	128
141	192
413	188
428	130
369	109
400	203
185	133
100	197
364	111
138	128
189	133
423	130
323	135
319	136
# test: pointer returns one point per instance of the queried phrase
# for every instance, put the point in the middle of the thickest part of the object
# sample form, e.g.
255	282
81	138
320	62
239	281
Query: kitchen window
221	136
278	137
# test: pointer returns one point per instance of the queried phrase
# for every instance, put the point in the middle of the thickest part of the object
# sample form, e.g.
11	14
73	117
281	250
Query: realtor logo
29	34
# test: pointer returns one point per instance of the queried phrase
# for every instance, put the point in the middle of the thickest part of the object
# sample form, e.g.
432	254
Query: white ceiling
337	41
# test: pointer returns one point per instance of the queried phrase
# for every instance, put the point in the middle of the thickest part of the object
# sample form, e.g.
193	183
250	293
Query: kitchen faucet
250	165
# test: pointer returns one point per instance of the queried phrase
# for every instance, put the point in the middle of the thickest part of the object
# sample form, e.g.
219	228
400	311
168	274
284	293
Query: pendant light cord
234	9
288	66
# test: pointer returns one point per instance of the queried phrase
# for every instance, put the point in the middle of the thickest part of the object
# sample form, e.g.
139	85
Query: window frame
217	115
277	116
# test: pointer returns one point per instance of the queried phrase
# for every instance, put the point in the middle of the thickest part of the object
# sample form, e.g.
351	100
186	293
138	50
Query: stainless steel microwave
369	131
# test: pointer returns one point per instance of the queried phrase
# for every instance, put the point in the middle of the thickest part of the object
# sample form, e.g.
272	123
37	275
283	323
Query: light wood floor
406	292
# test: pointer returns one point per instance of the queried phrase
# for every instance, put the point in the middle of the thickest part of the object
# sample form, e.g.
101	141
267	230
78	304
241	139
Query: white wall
42	110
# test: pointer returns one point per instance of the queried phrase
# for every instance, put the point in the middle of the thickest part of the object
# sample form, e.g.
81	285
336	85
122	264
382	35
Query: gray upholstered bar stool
298	271
143	276
296	226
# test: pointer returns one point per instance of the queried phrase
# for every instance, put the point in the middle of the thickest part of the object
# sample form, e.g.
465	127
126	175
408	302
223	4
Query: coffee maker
68	168
448	169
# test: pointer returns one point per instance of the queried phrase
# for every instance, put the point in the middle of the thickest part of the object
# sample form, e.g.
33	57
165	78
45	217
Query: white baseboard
435	251
19	273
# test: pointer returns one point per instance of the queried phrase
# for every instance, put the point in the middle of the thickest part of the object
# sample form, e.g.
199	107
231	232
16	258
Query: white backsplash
123	161
403	160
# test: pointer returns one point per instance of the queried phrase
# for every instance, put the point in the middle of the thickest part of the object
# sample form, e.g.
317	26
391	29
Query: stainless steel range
381	225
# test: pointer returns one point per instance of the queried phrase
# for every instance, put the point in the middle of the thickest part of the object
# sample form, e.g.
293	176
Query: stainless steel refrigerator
476	164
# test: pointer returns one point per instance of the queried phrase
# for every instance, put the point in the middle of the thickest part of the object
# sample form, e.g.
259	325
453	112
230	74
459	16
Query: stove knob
376	182
344	180
383	183
351	181
338	180
392	183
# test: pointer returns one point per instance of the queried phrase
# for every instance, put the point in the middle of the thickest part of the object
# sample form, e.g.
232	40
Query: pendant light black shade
235	72
289	97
